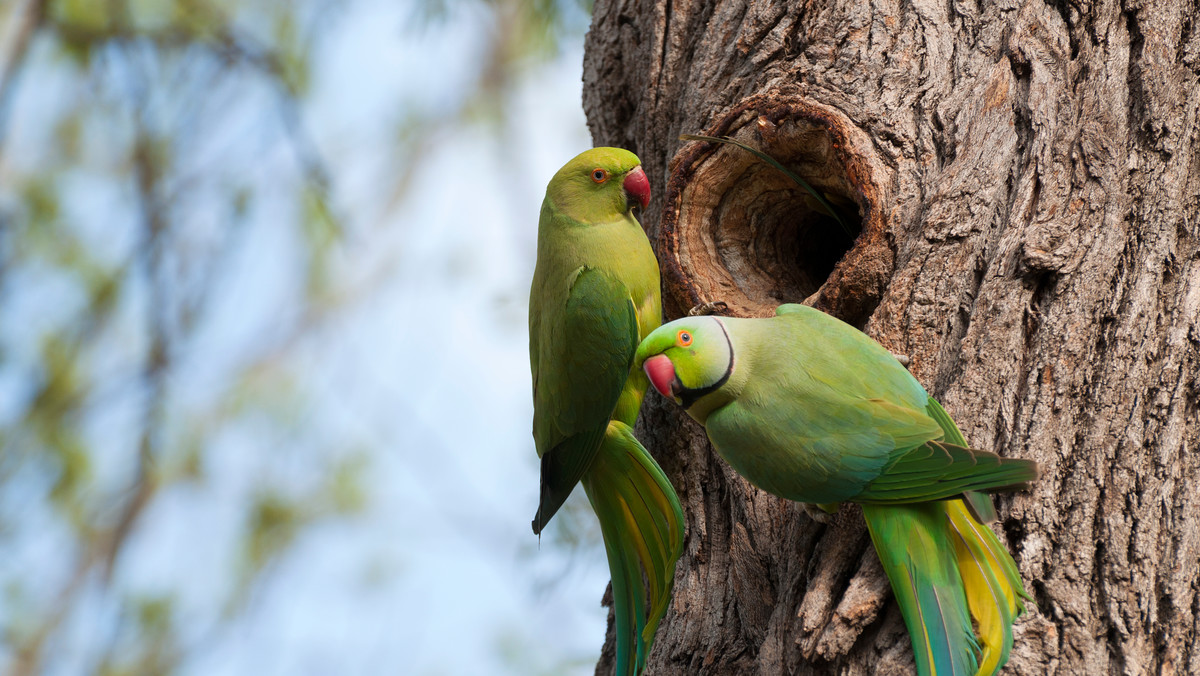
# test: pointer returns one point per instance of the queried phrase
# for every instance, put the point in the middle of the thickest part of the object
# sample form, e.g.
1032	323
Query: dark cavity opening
739	231
777	238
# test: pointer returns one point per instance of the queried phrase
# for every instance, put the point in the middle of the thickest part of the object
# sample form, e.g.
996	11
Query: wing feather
582	363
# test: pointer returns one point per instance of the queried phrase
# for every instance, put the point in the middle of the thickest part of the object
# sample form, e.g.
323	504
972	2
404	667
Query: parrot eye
683	339
599	175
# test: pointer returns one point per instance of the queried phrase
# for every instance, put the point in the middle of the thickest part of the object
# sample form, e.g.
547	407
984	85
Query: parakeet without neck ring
595	294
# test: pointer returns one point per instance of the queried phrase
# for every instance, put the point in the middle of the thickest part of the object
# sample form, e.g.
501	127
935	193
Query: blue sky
422	380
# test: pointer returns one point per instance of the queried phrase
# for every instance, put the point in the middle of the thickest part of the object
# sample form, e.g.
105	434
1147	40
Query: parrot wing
937	470
827	449
980	504
582	369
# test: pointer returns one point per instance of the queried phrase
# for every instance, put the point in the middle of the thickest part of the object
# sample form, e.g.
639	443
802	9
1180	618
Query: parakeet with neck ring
809	408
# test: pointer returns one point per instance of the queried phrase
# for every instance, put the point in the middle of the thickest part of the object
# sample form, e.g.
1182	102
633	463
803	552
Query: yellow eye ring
683	338
599	175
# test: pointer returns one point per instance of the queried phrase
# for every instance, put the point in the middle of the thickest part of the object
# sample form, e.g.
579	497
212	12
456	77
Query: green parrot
595	295
811	409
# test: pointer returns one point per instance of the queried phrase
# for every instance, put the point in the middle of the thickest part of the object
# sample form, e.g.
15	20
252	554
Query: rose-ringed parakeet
811	409
595	295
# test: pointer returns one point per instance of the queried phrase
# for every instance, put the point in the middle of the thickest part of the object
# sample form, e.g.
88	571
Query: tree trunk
1021	182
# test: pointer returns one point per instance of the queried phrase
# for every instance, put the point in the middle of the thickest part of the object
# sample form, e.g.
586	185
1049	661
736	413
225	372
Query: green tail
914	544
948	569
990	576
642	524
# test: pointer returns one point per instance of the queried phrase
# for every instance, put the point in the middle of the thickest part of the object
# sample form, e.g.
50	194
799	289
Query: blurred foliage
128	196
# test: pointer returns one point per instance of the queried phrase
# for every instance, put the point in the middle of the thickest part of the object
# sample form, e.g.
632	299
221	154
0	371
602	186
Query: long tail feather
990	576
914	544
992	583
642	524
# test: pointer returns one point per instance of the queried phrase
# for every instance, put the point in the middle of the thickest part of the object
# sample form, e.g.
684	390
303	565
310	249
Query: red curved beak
661	372
637	186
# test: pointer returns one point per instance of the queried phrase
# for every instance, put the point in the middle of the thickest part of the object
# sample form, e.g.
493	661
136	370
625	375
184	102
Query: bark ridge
1029	240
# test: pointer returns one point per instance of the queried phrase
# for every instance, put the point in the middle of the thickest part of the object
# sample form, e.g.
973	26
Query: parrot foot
904	359
711	308
818	513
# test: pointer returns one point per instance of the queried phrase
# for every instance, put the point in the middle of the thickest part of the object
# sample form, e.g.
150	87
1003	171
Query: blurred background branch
222	264
23	19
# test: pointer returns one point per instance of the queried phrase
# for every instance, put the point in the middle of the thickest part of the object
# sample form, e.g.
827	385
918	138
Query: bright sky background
426	376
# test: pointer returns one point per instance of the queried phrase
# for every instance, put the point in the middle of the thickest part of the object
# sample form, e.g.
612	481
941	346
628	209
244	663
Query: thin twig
24	22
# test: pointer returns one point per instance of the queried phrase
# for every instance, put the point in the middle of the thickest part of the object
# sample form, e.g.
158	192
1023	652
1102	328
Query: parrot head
687	359
598	184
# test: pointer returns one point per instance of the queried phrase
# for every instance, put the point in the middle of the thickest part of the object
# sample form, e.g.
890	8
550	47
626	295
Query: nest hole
742	232
777	242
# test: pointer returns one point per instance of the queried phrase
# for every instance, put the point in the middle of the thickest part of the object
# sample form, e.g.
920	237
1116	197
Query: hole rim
846	292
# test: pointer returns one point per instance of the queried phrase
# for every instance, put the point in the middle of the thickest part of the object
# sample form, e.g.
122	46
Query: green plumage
811	409
642	524
595	295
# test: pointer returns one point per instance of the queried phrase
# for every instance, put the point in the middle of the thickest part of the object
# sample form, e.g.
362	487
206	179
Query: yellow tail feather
992	584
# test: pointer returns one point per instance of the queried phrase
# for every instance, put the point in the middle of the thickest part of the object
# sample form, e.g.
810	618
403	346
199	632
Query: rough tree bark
1025	179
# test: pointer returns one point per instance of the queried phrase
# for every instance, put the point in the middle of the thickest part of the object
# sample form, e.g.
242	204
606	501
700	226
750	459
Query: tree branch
24	22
